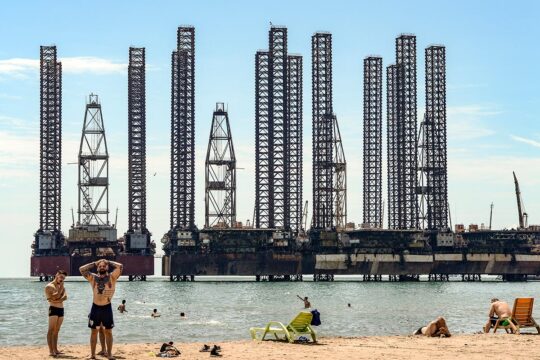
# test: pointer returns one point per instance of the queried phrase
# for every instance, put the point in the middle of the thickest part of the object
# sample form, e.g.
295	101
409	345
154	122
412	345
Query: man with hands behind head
103	285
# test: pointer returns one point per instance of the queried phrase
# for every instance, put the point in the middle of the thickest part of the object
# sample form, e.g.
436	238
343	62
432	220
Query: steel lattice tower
220	174
422	191
50	150
323	141
295	82
340	178
372	205
262	142
137	236
137	139
183	131
407	132
435	138
278	135
392	150
279	128
93	168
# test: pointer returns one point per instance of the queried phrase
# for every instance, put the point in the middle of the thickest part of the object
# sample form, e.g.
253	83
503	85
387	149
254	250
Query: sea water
225	310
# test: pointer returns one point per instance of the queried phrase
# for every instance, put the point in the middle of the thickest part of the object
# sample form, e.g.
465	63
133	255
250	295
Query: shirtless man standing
103	285
56	294
503	312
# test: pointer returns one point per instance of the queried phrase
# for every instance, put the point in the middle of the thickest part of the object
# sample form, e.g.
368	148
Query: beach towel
316	320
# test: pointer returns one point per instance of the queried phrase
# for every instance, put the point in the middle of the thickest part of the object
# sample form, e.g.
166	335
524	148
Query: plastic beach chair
300	325
521	315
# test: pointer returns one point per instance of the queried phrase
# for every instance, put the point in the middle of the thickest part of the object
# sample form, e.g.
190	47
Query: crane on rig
522	215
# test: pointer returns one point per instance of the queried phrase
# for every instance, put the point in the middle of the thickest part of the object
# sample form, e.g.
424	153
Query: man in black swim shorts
56	294
101	315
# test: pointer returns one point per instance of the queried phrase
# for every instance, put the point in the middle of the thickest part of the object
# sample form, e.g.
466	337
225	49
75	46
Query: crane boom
519	202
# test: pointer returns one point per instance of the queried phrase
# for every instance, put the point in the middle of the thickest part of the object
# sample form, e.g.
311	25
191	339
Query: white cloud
526	141
472	110
466	122
22	68
90	64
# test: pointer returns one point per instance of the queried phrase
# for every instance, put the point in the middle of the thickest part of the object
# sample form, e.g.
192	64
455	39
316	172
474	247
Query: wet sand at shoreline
498	346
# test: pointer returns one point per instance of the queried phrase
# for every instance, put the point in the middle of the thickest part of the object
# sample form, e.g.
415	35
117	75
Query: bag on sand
316	320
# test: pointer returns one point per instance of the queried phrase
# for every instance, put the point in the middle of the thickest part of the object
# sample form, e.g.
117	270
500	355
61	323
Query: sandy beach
373	347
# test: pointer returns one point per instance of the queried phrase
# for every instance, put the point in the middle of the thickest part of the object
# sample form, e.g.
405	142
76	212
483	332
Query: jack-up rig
278	247
92	236
277	244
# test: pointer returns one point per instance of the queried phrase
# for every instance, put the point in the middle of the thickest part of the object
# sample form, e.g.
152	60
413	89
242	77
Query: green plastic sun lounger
300	325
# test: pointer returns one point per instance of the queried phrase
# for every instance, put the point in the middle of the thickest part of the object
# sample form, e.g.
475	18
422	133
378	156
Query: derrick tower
340	178
220	173
93	169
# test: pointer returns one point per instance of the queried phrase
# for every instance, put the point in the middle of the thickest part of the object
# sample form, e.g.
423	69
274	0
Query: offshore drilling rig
418	239
92	236
277	245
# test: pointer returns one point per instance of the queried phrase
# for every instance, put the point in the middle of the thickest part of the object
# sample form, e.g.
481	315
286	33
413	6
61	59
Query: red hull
137	264
48	265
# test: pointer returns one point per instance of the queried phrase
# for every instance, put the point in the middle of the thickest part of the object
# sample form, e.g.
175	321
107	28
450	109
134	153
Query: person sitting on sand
436	328
169	350
122	307
307	304
155	314
503	312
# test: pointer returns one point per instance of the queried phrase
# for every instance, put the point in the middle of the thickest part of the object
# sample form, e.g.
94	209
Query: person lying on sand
503	312
436	328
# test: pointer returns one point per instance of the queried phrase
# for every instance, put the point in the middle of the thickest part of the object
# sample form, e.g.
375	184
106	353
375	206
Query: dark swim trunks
419	331
101	315
56	311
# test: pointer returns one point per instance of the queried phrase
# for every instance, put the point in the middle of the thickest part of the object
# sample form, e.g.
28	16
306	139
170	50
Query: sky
492	96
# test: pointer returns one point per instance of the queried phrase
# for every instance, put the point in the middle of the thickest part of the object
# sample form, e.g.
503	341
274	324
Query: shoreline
474	346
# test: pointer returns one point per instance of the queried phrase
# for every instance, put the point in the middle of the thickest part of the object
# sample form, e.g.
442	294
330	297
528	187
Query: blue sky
493	116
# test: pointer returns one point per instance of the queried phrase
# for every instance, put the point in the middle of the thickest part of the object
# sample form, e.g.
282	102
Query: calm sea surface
219	310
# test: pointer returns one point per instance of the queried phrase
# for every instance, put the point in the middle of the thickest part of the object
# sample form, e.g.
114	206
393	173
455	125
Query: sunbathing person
168	349
503	312
436	328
